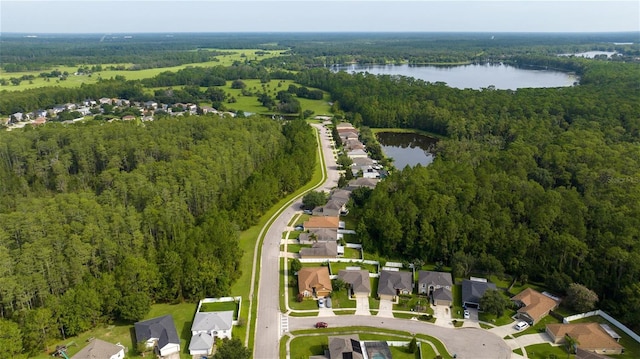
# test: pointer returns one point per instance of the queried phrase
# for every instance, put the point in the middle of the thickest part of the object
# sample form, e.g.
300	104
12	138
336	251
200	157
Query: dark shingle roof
390	281
162	328
473	290
435	278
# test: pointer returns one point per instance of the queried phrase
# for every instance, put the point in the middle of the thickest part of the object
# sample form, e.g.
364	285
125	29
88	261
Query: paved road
466	343
267	331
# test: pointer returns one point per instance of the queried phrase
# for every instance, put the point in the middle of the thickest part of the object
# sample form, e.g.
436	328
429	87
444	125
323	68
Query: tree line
99	221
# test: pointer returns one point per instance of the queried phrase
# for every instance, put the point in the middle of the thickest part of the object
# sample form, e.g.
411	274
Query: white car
467	315
321	303
521	325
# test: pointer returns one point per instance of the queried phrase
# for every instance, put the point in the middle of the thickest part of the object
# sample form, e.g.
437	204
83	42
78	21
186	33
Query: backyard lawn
123	332
336	267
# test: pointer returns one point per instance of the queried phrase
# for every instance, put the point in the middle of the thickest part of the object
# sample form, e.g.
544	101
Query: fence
606	316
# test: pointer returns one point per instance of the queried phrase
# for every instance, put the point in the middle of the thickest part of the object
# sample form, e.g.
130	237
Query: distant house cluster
145	111
362	166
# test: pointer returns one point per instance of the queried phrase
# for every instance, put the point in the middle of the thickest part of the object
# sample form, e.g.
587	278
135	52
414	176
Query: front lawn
547	351
418	304
340	299
295	248
498	321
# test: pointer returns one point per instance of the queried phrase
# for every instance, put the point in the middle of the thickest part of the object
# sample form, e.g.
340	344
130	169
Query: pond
407	149
475	76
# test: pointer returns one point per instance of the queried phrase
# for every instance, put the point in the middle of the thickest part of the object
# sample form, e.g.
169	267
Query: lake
407	149
475	76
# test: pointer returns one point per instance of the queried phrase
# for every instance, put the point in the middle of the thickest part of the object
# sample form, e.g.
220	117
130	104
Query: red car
321	325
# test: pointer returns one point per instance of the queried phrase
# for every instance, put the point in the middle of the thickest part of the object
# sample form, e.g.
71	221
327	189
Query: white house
206	327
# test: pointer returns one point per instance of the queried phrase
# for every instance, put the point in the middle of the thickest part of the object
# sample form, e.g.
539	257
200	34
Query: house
84	111
358	281
18	116
105	101
345	346
159	333
352	144
332	208
357	153
363	182
314	282
437	285
206	327
344	126
151	104
584	354
208	109
341	196
321	250
589	336
128	118
319	235
473	290
40	113
533	305
318	222
348	135
394	283
99	349
39	121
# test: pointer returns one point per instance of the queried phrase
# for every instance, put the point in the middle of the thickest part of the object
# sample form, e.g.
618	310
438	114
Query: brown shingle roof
536	304
590	336
98	349
322	222
314	277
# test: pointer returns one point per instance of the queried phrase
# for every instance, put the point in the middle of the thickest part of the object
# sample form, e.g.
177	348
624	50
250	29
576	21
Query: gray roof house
473	290
99	349
320	250
437	285
358	280
332	208
206	327
159	332
345	347
393	283
321	235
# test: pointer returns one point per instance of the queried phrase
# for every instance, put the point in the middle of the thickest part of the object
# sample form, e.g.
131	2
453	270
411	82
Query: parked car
321	325
308	211
521	325
327	302
299	228
321	303
467	315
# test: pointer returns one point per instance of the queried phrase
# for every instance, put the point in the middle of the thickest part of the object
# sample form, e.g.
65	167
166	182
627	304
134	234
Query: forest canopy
98	221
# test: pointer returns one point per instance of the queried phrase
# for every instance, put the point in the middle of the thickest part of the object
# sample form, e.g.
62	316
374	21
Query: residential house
39	121
151	104
84	111
332	208
584	354
358	281
341	196
128	118
206	327
589	336
344	125
352	144
348	135
121	102
208	109
345	347
99	349
393	283
357	154
319	235
40	113
321	250
533	305
473	290
363	182
57	109
105	101
70	106
160	334
314	282
319	222
17	117
437	285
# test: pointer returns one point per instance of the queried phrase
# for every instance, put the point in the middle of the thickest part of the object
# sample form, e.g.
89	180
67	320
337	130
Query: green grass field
75	81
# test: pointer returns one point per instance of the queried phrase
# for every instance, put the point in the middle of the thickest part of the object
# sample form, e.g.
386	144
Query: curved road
267	336
464	342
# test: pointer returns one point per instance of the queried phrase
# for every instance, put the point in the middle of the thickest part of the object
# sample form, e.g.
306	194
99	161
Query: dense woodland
98	221
540	183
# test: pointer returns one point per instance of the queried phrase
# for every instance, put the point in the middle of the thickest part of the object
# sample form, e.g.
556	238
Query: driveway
442	312
504	330
386	308
466	343
362	306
